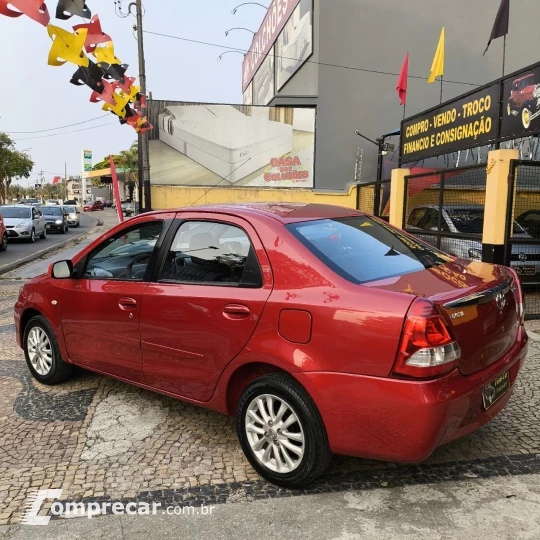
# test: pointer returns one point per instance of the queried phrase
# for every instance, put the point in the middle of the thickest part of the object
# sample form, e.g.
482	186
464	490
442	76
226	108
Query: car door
101	305
37	221
205	303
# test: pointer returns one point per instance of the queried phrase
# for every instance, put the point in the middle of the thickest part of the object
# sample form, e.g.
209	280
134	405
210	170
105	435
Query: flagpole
404	109
441	88
504	54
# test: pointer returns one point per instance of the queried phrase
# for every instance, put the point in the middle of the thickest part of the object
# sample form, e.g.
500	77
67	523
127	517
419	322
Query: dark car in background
56	218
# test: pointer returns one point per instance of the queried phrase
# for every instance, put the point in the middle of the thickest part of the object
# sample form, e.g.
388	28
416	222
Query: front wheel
526	117
282	432
42	353
3	244
32	238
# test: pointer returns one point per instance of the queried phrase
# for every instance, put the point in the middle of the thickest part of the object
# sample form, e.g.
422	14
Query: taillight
427	349
518	295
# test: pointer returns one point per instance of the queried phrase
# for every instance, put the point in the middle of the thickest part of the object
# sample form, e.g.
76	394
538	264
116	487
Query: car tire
4	243
42	353
526	117
63	230
32	238
295	457
43	235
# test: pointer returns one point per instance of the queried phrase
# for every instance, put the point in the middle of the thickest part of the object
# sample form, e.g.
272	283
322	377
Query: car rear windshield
51	210
15	213
361	249
70	209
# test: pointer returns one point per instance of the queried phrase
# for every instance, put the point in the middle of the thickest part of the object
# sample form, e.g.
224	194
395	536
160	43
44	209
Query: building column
495	210
397	196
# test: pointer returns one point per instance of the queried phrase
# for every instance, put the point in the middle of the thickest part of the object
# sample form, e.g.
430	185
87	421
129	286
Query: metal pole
504	55
441	87
377	201
65	180
143	139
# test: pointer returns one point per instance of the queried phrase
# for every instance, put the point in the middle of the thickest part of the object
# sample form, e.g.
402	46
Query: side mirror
62	270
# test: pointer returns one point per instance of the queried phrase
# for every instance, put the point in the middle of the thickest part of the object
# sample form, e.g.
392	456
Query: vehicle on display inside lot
24	222
92	206
56	218
469	219
322	329
3	234
530	221
525	99
73	215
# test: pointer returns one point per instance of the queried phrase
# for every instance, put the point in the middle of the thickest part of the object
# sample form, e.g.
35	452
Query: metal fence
522	249
374	198
446	209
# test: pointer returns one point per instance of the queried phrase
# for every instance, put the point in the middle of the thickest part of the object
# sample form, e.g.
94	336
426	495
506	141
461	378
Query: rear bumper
404	420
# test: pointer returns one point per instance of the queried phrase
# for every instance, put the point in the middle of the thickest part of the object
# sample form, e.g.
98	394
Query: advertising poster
295	43
196	144
264	81
464	123
521	101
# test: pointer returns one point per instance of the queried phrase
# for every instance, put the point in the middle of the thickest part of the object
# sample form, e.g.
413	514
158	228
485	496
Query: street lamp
246	29
246	4
227	52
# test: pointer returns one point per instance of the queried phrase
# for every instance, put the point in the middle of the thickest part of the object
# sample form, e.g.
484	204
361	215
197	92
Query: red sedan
324	330
92	206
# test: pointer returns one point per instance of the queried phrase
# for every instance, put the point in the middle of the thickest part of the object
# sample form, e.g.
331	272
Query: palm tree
128	160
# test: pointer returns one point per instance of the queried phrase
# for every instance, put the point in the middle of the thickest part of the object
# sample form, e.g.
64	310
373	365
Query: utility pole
143	139
65	181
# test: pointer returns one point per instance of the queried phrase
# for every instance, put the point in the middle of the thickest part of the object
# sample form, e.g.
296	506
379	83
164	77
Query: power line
54	129
66	132
300	59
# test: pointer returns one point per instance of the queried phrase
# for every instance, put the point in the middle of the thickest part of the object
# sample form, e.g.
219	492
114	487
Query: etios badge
501	301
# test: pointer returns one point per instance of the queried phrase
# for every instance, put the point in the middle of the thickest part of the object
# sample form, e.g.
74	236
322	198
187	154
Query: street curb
25	260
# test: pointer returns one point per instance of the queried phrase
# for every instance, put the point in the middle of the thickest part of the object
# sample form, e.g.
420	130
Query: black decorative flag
502	21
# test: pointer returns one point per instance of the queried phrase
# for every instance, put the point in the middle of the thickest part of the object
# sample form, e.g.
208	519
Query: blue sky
36	96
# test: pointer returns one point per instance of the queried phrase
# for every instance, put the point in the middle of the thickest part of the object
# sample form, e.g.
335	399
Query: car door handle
236	311
127	304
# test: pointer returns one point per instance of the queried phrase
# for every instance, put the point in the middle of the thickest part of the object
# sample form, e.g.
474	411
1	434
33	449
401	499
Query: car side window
212	253
126	255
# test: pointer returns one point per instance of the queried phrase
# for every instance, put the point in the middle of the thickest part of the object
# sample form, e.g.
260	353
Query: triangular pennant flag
437	68
95	34
35	9
67	8
403	80
67	47
90	76
105	54
502	22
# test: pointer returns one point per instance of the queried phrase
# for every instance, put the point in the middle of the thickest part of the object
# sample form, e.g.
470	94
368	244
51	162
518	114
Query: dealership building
343	57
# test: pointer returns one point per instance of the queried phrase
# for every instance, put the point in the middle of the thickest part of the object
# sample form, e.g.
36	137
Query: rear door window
361	249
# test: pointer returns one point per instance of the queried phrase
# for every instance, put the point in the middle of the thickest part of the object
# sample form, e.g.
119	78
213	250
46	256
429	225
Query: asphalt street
18	249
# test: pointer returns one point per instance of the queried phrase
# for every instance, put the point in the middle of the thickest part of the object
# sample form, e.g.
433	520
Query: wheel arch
26	316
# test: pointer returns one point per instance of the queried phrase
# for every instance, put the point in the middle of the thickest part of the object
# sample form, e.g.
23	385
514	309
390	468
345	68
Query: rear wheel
4	243
44	233
526	117
42	353
282	432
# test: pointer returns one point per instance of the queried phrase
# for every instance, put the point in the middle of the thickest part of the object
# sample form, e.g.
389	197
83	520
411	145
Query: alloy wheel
275	433
40	351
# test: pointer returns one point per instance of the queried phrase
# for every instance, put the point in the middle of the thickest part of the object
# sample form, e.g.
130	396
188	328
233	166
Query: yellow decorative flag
106	54
67	47
133	92
120	108
437	68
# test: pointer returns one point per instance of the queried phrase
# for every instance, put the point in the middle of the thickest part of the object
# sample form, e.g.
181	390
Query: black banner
464	123
521	103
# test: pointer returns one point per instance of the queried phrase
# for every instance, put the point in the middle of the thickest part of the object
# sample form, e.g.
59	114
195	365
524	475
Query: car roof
524	77
280	211
16	206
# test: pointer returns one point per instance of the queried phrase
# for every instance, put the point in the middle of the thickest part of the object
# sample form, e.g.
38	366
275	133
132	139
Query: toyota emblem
501	301
522	256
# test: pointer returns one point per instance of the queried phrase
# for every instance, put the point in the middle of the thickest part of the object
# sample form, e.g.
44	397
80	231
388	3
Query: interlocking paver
97	437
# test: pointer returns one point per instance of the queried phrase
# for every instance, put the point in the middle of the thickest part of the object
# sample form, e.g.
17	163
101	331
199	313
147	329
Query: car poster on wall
295	43
194	144
264	81
521	102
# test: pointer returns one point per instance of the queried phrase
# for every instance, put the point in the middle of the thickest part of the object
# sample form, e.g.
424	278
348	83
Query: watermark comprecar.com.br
92	509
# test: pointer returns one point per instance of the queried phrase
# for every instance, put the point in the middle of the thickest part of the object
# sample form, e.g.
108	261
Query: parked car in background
24	222
56	218
71	202
108	204
469	219
530	221
30	201
93	206
128	209
52	202
322	329
3	233
73	215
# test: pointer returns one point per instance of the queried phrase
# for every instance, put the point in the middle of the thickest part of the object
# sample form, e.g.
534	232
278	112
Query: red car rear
3	234
92	206
322	329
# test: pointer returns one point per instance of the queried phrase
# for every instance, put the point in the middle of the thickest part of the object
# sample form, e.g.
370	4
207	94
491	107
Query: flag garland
71	46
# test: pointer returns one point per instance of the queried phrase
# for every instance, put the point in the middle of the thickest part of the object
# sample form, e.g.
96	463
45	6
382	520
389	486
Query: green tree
13	165
16	191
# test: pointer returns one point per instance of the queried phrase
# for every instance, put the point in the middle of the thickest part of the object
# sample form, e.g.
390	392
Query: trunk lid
478	301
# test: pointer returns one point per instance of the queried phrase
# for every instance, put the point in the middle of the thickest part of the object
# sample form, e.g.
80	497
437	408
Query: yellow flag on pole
437	68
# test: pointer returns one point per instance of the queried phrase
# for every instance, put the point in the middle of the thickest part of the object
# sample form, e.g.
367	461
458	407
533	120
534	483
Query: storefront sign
464	123
276	17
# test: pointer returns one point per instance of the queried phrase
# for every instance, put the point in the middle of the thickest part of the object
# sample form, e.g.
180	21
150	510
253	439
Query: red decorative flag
402	81
56	180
